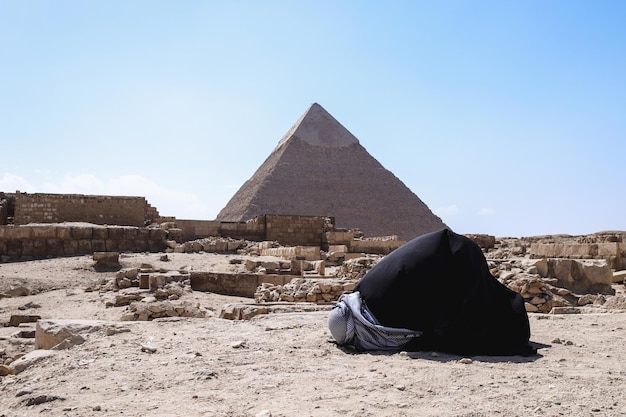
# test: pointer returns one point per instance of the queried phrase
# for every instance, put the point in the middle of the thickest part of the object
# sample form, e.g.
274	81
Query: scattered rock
106	261
17	319
30	358
51	333
40	399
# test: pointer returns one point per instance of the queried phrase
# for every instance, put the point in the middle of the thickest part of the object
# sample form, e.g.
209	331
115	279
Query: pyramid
319	168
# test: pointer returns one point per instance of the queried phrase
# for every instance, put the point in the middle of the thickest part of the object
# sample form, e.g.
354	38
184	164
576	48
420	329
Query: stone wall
612	252
242	285
59	208
253	229
286	230
43	241
297	230
4	211
197	229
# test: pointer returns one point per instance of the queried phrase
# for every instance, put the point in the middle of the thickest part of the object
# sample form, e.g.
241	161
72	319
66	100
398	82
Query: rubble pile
355	268
213	244
319	291
149	293
150	308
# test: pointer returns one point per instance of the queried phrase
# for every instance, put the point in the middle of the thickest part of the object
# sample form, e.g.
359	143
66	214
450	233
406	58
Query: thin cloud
10	183
448	210
486	211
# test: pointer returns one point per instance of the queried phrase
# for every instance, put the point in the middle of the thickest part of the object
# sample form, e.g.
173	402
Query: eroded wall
59	208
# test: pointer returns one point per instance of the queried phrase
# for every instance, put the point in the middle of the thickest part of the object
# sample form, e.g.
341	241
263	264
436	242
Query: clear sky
504	117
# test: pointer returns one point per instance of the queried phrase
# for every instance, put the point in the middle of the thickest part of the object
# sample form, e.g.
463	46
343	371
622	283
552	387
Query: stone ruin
307	278
310	279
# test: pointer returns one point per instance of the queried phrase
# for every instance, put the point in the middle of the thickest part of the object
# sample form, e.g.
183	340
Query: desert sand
283	364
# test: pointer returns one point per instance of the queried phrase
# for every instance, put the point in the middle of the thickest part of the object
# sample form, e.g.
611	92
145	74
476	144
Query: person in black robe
440	286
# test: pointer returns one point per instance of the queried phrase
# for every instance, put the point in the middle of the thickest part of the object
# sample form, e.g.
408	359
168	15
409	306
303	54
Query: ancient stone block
143	234
130	233
100	233
21	232
54	247
14	248
158	234
84	247
106	261
51	333
126	245
98	245
30	358
111	245
64	232
27	248
581	276
44	232
115	233
70	247
81	232
17	319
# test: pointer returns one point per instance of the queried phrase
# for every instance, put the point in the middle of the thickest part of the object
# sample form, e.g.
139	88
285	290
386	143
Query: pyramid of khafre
320	169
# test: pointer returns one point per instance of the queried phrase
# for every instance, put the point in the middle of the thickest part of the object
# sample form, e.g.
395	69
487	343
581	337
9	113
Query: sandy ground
285	364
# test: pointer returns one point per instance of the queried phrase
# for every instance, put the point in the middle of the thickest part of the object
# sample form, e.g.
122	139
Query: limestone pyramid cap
317	127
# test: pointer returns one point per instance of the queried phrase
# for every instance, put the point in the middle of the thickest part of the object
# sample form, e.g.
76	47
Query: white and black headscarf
352	324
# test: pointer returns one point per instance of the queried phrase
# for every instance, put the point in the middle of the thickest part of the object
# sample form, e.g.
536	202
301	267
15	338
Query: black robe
439	283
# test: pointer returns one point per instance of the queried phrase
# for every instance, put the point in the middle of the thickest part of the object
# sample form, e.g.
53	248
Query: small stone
24	391
40	399
6	370
148	347
238	344
264	413
466	361
97	408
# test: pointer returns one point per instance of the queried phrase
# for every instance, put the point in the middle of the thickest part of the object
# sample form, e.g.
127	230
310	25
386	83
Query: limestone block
100	233
158	234
619	276
115	233
14	248
54	247
129	233
81	232
484	241
159	280
70	247
540	264
17	319
98	245
606	249
143	234
126	245
27	248
111	245
338	250
44	232
106	261
50	333
63	232
84	246
582	276
22	232
30	358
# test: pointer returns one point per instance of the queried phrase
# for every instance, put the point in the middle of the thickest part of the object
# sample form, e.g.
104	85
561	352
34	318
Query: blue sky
504	117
